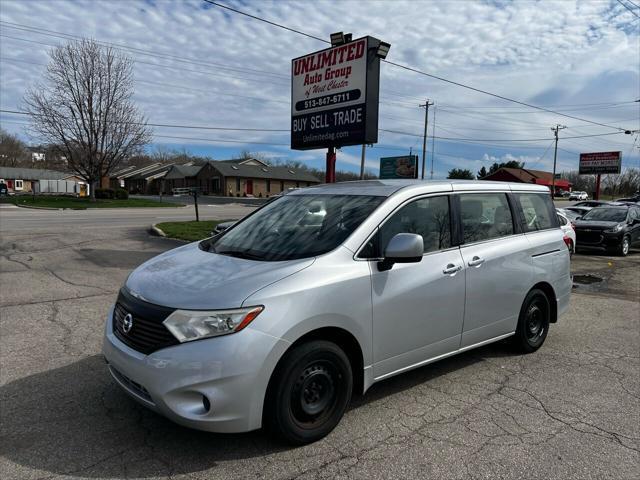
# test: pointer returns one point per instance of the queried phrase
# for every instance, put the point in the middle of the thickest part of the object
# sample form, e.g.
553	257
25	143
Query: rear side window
562	220
428	217
485	216
538	210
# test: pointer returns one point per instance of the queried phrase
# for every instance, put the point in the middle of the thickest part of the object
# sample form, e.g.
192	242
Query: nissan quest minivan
278	320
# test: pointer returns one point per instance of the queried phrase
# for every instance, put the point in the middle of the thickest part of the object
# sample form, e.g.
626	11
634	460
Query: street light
383	50
337	39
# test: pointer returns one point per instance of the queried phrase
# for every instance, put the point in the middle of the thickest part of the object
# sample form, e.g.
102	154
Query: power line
498	139
142	51
628	8
420	72
267	21
171	67
196	127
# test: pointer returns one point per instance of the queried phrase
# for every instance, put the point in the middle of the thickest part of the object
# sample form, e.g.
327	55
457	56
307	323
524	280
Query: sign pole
330	174
597	197
362	162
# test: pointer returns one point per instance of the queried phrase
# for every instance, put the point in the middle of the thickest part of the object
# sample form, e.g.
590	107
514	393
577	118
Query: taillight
567	242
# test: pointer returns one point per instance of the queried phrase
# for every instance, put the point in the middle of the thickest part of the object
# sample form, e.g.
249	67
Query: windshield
295	226
607	214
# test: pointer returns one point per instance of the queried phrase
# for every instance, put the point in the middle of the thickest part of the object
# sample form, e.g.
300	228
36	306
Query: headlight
616	229
188	325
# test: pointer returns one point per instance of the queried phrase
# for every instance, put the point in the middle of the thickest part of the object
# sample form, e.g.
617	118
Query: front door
498	267
249	187
418	308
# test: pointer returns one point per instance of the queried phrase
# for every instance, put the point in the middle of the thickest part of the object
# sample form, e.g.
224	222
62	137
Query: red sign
600	162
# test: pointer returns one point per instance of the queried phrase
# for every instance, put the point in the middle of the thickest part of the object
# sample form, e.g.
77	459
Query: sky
200	65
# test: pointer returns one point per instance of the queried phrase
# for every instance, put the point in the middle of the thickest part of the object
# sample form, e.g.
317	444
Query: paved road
15	219
571	410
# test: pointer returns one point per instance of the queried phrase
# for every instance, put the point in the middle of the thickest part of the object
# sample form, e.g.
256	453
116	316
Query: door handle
451	269
476	261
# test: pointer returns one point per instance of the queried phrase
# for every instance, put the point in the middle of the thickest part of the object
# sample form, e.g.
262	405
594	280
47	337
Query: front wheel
625	245
533	323
309	392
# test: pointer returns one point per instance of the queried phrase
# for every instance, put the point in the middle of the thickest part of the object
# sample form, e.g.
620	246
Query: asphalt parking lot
570	410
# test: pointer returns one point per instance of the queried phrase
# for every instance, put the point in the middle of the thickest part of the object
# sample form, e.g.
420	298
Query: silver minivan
278	320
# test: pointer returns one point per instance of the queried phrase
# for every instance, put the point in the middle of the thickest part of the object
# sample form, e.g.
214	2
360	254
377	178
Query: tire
625	245
533	322
309	392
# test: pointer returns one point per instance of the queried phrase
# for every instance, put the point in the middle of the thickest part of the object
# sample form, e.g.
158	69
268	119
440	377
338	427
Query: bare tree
13	151
84	108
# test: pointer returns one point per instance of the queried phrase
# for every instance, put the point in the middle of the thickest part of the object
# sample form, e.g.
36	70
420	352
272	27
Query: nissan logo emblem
127	323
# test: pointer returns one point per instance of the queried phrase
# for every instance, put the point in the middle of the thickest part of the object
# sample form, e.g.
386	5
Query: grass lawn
82	203
190	231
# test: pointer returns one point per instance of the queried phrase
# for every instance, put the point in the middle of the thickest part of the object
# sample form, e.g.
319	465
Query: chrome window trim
386	219
513	219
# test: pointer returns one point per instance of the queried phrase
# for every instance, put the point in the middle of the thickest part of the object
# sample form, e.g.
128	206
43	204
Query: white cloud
557	52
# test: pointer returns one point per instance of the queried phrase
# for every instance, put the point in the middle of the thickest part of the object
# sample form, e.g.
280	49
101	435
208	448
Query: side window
562	220
539	212
485	216
428	217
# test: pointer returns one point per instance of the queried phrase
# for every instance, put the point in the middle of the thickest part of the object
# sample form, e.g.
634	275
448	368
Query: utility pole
426	106
555	156
362	162
433	140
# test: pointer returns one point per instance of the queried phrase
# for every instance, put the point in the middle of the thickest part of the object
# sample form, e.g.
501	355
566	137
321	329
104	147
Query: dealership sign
334	96
399	167
600	162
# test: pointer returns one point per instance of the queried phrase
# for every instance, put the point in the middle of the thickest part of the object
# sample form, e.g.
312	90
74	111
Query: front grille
588	237
147	333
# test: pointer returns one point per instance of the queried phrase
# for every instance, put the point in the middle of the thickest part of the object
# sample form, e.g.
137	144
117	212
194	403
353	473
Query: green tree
510	164
460	173
482	172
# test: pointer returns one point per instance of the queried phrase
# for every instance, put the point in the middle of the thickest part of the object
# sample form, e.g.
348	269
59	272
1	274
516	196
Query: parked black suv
610	228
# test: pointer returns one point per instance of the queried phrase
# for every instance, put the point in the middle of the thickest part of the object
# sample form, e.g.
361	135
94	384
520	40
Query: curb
154	230
37	208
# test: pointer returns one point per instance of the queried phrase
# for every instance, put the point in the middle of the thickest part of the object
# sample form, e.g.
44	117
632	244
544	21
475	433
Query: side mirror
402	248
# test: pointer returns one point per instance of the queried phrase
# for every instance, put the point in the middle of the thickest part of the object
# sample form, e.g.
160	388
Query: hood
190	278
595	225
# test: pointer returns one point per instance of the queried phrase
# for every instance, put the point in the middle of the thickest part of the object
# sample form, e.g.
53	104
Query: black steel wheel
533	323
309	392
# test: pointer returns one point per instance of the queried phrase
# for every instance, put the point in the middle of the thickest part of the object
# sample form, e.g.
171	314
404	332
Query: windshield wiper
239	254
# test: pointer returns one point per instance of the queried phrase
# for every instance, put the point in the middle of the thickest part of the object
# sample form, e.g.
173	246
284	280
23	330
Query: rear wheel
309	392
533	323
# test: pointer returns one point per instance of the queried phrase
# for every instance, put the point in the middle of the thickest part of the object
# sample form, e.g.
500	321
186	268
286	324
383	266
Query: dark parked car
3	189
629	200
590	203
613	228
579	211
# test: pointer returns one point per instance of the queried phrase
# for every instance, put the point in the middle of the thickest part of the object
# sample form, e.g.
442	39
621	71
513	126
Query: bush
105	193
121	194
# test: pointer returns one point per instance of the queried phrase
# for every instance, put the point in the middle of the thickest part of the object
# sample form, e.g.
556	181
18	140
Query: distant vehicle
3	189
613	228
581	211
591	203
635	198
577	195
572	215
568	229
629	200
222	226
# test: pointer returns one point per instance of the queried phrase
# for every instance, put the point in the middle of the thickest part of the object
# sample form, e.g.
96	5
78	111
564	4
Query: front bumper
598	240
232	372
